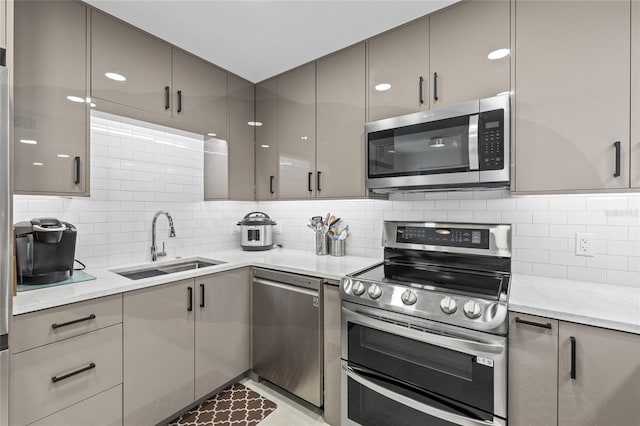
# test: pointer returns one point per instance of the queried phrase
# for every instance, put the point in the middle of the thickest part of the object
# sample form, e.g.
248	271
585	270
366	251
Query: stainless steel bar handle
474	162
5	196
416	405
43	229
286	287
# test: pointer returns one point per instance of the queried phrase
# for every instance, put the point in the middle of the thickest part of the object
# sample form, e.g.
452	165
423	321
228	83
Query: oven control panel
443	236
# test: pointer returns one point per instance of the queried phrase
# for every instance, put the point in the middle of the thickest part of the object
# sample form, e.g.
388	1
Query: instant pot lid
256	219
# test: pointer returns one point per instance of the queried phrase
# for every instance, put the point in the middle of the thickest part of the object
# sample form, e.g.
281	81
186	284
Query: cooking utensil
334	221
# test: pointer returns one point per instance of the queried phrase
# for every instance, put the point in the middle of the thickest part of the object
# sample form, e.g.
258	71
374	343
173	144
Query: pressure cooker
256	232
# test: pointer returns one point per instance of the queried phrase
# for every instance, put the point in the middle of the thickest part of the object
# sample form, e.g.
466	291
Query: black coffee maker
45	250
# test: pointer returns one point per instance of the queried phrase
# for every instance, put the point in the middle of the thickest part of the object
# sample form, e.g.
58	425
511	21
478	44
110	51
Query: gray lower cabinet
635	93
241	139
572	92
51	142
332	396
158	352
266	175
222	329
584	375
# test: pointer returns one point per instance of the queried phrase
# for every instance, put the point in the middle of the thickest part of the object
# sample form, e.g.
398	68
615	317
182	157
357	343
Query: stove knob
472	309
409	297
448	305
374	291
358	288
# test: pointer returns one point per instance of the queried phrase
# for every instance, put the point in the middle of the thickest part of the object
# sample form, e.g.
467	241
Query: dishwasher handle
287	287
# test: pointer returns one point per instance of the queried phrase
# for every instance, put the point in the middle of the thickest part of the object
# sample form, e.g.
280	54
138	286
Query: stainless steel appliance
45	250
424	332
5	243
465	145
287	332
256	232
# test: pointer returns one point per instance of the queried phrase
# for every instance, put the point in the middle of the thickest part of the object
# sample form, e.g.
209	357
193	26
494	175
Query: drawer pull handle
56	379
535	324
64	324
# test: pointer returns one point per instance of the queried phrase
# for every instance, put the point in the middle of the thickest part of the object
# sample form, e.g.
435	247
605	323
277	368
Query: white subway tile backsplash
552	271
631	278
587	274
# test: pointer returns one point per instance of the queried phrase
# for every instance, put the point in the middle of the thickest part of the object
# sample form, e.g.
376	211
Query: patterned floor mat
234	406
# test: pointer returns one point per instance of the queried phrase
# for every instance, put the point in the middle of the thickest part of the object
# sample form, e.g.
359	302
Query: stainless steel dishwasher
287	332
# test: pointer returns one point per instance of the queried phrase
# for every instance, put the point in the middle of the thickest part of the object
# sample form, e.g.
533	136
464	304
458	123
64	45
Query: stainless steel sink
166	268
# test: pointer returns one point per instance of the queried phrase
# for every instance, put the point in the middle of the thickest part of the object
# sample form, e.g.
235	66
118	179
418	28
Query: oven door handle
449	342
417	405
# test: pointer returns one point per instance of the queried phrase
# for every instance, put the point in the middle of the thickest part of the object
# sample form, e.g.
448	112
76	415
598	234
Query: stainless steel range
424	332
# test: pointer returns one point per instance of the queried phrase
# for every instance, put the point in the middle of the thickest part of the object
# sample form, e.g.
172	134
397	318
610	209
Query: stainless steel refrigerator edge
5	246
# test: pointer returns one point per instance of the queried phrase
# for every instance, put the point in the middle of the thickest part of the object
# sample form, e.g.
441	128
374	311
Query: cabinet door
241	139
635	93
266	140
296	132
158	352
572	94
460	40
3	24
143	60
200	95
223	329
340	124
533	373
399	60
50	87
606	387
332	397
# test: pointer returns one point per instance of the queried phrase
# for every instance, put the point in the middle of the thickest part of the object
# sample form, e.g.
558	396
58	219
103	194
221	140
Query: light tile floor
289	412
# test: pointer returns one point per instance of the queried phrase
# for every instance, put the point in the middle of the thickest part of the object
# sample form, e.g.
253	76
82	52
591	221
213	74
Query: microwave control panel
491	140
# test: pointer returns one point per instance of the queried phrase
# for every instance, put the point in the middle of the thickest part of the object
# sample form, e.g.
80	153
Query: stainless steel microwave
461	146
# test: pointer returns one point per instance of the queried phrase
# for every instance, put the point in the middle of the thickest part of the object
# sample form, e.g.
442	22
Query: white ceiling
258	39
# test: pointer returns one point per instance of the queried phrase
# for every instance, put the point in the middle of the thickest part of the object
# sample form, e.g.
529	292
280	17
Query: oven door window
420	149
453	374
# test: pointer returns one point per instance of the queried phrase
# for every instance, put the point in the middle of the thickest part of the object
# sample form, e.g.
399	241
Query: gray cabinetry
533	376
158	352
340	121
3	24
50	92
460	40
143	60
571	95
222	329
635	93
571	374
332	397
297	133
241	139
398	69
199	95
266	140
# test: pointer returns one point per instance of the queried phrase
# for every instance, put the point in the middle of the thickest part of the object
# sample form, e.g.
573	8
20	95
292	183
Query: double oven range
424	333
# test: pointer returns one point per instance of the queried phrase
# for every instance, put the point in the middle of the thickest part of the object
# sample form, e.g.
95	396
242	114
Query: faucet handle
162	253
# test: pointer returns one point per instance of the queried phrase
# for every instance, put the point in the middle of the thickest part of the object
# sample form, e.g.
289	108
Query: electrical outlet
584	244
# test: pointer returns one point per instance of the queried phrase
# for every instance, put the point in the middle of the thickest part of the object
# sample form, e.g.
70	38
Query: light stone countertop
601	305
108	282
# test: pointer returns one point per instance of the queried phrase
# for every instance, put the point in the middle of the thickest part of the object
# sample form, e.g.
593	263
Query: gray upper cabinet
266	140
340	113
296	133
121	51
241	139
572	95
605	386
398	71
461	39
199	95
50	88
635	93
3	24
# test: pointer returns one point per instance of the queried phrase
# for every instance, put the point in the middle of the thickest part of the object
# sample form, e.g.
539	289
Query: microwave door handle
474	162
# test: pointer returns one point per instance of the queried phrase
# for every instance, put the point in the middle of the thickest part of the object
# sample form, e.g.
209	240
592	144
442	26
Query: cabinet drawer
104	409
43	381
37	328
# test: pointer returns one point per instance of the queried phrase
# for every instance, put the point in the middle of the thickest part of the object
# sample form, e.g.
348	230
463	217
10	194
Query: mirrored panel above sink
166	268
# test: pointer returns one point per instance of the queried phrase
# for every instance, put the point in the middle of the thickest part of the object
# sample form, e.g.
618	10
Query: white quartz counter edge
601	305
108	283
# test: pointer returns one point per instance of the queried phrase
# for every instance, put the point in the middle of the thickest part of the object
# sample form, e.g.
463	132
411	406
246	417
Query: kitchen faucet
172	233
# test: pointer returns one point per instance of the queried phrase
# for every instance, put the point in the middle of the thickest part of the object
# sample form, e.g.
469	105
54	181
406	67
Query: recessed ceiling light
28	141
115	76
38	164
498	54
254	123
264	146
75	99
382	87
503	93
304	138
63	156
212	134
